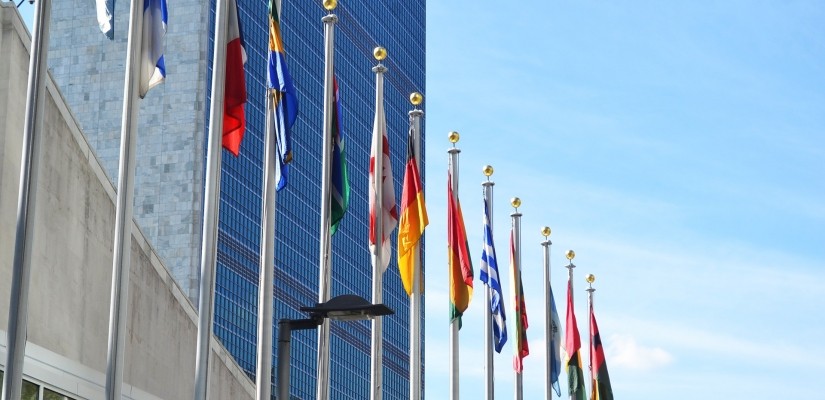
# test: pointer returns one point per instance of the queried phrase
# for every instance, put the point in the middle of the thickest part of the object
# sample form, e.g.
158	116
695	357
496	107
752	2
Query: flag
555	344
413	219
339	187
489	276
106	17
285	103
461	268
389	212
234	121
521	348
152	67
600	385
573	360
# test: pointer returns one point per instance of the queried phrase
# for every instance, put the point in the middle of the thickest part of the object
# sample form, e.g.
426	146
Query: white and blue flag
490	277
106	17
152	67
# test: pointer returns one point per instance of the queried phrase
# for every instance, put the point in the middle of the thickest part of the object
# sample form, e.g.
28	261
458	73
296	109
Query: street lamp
346	307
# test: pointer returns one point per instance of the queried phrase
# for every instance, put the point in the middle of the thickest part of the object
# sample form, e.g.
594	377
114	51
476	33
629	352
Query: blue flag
286	99
555	345
490	277
151	64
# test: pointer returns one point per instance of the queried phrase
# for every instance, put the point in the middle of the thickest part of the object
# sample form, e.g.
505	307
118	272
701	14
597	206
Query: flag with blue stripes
490	277
152	67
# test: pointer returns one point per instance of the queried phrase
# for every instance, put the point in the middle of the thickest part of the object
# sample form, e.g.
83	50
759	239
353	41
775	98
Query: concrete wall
72	259
89	70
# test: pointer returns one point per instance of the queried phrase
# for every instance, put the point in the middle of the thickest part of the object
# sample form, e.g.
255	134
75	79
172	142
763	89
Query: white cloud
624	351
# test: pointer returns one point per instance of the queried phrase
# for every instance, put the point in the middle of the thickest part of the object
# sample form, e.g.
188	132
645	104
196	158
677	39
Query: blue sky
677	147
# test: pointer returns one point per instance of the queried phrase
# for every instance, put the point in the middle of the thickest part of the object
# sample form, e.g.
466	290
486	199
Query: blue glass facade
400	27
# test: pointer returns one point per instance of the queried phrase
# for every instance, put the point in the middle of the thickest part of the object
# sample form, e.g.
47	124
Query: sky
677	147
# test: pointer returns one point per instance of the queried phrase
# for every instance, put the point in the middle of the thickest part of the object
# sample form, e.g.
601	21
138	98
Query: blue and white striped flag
106	17
152	67
490	277
555	345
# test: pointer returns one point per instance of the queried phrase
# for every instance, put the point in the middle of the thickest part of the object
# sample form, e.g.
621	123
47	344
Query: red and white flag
234	120
389	211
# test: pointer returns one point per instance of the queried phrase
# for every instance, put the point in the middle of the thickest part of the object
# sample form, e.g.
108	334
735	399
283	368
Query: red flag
461	268
234	121
522	350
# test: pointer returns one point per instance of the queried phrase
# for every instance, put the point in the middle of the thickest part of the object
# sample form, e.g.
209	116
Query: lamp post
346	307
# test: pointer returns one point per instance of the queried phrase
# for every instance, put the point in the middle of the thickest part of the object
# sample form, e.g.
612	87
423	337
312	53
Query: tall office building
171	160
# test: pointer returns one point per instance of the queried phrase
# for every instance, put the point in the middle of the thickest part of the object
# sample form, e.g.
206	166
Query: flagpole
263	368
119	306
209	243
590	278
570	254
377	345
27	196
415	299
516	225
453	170
489	393
324	273
548	317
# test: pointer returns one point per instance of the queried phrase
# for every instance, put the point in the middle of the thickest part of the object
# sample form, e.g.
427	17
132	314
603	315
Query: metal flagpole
516	223
324	273
489	392
209	243
415	299
453	169
570	254
377	338
27	196
119	306
548	317
590	278
263	375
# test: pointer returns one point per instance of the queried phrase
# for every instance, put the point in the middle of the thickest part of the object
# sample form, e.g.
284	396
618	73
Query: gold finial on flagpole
590	278
379	53
330	5
453	137
545	232
487	171
416	99
570	255
515	202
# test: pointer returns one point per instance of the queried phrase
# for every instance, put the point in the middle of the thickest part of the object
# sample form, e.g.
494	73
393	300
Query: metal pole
209	243
415	299
548	317
324	274
119	306
454	387
377	338
284	338
285	328
488	314
24	233
590	291
263	375
516	221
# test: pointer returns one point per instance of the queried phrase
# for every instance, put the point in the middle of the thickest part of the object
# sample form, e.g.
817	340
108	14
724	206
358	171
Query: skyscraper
171	159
